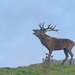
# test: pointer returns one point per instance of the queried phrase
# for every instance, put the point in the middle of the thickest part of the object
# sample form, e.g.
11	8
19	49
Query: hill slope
37	69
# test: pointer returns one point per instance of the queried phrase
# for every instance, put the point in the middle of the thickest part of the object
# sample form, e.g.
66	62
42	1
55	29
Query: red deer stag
52	43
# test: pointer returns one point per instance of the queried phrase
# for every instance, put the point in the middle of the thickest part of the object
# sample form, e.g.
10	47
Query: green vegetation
37	69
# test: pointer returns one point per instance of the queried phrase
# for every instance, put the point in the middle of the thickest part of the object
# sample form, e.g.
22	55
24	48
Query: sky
18	46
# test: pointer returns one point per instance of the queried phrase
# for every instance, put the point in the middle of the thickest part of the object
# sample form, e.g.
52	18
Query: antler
41	25
49	28
52	28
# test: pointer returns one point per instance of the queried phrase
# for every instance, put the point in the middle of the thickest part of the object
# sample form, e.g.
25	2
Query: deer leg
71	54
66	54
50	52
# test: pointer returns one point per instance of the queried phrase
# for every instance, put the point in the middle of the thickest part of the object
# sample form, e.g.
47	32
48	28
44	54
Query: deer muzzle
34	31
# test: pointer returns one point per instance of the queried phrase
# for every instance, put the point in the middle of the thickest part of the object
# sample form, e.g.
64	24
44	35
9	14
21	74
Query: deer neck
43	38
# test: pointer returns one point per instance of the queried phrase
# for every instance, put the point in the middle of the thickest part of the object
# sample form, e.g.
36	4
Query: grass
55	69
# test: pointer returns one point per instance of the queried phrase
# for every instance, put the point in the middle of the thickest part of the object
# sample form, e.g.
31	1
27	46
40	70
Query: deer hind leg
66	54
71	54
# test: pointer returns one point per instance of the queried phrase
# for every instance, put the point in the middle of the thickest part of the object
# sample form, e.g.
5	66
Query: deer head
42	30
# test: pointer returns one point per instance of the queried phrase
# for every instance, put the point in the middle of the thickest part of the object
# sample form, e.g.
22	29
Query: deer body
52	43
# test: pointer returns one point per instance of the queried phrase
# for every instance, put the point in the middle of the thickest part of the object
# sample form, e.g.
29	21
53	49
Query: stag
53	43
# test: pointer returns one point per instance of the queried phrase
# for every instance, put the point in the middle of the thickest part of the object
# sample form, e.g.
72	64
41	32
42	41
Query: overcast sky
18	46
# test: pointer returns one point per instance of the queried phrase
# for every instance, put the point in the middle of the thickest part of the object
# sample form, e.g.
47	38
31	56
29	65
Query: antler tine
48	26
43	25
40	25
52	28
57	30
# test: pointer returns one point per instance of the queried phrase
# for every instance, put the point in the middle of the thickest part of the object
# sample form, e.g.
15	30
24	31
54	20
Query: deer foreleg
50	52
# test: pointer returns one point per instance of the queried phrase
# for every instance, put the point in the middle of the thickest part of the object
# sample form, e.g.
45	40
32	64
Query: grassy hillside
37	69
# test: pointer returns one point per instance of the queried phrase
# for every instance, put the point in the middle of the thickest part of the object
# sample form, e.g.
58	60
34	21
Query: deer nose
33	30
